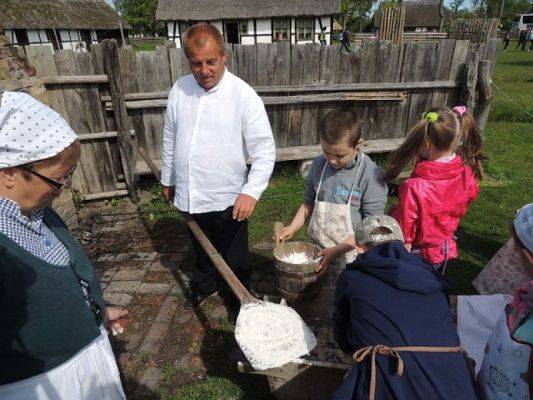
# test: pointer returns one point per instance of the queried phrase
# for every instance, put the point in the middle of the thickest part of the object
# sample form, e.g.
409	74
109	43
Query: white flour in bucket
271	335
297	258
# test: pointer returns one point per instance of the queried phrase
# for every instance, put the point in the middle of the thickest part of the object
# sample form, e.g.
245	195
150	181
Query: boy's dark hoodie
391	297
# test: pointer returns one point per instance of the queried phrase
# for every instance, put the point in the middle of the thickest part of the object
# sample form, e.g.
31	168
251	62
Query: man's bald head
199	35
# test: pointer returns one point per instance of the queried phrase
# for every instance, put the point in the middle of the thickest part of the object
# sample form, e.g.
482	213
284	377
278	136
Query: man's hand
244	207
168	194
111	319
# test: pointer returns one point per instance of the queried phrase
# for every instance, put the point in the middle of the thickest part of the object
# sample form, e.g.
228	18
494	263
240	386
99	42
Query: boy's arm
374	194
299	219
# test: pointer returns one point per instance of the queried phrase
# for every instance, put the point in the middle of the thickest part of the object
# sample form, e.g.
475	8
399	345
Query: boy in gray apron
344	186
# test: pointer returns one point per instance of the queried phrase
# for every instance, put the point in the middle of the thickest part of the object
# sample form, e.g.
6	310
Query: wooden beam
280	100
100	135
348	87
125	144
74	79
293	153
104	195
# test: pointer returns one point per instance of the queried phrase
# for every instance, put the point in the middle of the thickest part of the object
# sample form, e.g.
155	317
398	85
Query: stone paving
152	285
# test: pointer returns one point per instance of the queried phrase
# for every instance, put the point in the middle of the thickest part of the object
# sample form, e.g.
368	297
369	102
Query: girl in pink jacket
446	148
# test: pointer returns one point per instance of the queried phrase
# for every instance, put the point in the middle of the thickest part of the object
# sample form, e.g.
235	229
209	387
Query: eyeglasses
54	182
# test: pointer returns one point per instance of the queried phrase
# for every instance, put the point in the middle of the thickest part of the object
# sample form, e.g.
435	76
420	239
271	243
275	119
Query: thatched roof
208	10
59	14
421	13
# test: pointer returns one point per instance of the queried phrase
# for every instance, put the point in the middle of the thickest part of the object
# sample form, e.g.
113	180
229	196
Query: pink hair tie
459	110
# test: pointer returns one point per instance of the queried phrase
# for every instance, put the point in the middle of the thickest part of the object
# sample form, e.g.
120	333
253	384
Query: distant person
322	36
522	38
445	146
391	313
530	39
506	40
345	40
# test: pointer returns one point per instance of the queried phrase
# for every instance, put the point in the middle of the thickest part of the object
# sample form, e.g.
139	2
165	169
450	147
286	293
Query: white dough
271	335
297	258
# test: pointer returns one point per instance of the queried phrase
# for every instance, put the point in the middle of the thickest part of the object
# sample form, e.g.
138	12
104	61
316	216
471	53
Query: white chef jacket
208	136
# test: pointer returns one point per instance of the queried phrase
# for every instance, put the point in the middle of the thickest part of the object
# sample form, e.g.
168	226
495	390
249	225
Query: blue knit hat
523	225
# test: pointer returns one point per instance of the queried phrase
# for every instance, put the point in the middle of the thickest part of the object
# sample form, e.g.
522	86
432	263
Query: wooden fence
407	37
477	30
391	23
115	98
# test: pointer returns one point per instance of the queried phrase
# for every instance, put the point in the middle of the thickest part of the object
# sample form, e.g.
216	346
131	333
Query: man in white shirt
214	122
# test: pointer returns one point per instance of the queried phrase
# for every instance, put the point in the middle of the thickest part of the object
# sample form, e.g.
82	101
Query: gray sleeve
314	175
374	191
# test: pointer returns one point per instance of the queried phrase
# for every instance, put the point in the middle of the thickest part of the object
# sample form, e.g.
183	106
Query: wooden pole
485	93
468	90
116	88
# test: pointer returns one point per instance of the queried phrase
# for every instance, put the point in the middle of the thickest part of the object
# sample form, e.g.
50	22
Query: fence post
116	89
468	87
485	93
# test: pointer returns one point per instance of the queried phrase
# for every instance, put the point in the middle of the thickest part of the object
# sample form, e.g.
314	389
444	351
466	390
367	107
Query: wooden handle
231	279
278	230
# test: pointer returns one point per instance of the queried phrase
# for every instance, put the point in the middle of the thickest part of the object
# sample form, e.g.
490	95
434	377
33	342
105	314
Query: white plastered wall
326	22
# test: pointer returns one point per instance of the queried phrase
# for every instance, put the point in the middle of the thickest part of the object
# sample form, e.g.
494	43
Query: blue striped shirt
31	233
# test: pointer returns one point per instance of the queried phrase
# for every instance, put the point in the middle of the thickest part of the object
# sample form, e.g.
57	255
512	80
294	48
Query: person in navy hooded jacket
391	313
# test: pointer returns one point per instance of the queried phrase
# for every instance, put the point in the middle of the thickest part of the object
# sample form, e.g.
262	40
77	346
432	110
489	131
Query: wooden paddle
225	271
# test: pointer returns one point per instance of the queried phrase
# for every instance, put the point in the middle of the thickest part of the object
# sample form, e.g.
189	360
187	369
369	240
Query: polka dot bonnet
30	131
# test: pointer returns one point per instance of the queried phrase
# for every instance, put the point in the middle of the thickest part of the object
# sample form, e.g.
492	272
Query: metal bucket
296	282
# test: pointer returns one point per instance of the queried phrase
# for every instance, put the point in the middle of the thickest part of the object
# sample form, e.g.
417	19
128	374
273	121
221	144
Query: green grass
509	183
144	47
513	75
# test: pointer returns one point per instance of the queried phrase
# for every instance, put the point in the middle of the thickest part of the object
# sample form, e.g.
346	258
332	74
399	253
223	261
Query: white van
521	22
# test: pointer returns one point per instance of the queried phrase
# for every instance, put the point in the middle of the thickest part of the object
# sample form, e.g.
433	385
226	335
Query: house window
304	28
281	28
184	25
22	37
243	26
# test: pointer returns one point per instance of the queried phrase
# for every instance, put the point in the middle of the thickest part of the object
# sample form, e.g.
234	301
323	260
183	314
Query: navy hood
393	264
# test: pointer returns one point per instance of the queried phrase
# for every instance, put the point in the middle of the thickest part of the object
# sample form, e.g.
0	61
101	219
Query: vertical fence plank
445	49
309	112
423	70
295	112
163	68
179	66
149	82
42	59
96	121
282	76
456	67
329	74
112	69
66	65
386	67
367	111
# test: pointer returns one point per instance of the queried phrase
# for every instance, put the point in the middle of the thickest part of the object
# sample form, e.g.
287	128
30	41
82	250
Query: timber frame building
252	21
61	24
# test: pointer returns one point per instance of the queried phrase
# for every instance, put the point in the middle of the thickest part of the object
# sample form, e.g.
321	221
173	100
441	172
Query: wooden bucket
296	282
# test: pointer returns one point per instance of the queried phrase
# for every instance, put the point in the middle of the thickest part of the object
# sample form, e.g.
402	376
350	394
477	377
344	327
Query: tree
455	6
356	11
139	13
510	9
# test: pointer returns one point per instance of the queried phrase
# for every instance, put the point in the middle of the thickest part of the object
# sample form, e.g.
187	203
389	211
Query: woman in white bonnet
53	338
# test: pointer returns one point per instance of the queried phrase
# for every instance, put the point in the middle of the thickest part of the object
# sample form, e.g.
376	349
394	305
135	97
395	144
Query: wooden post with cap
116	89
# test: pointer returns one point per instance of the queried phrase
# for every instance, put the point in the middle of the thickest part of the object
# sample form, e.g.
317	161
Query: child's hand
112	319
328	255
408	246
287	233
